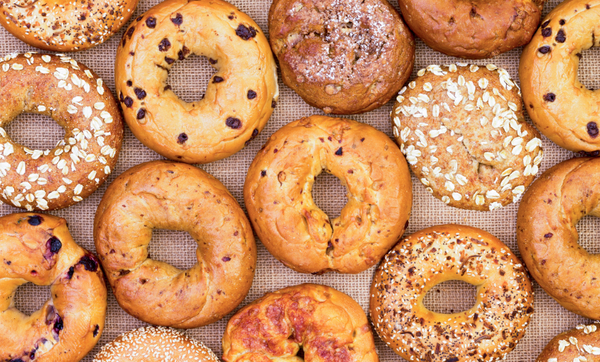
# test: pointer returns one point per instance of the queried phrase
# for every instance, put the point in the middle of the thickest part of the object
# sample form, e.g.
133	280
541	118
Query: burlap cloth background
189	79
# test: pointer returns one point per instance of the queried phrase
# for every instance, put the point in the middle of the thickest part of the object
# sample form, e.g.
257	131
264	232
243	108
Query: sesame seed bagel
464	134
155	344
342	56
174	196
278	195
580	344
78	100
486	332
473	29
239	98
547	234
39	249
307	322
562	108
65	25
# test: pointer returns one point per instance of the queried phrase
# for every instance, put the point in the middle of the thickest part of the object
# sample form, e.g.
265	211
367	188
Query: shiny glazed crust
580	344
327	325
77	99
343	56
174	196
65	25
562	108
278	195
39	249
547	236
473	29
486	332
463	131
238	101
155	344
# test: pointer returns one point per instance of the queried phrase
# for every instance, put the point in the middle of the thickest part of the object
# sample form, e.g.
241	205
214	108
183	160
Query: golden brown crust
174	196
155	344
318	322
77	99
473	29
65	25
464	134
39	249
580	344
278	196
549	76
547	236
344	57
486	332
238	101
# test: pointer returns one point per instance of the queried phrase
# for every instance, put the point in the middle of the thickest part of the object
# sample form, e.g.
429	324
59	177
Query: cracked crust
580	344
473	29
278	196
547	234
464	135
342	56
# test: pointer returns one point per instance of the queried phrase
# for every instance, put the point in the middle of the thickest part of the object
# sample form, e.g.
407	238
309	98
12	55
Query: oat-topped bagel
473	29
78	100
580	344
238	101
280	204
39	249
343	56
561	107
65	25
486	332
547	234
174	196
464	135
307	322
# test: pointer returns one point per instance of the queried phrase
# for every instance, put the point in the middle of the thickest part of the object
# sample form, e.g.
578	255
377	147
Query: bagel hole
589	71
329	194
196	68
35	131
453	296
174	247
30	298
589	238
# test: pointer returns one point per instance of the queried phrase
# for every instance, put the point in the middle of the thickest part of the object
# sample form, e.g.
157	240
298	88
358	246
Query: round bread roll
155	344
580	344
239	98
486	332
306	322
473	29
344	57
547	235
174	196
278	195
562	108
464	135
78	100
39	249
65	25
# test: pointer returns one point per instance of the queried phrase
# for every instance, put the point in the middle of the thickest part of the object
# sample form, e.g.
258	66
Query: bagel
174	196
63	25
78	100
344	57
39	249
306	322
155	344
562	108
547	236
238	101
473	29
486	332
580	344
278	195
